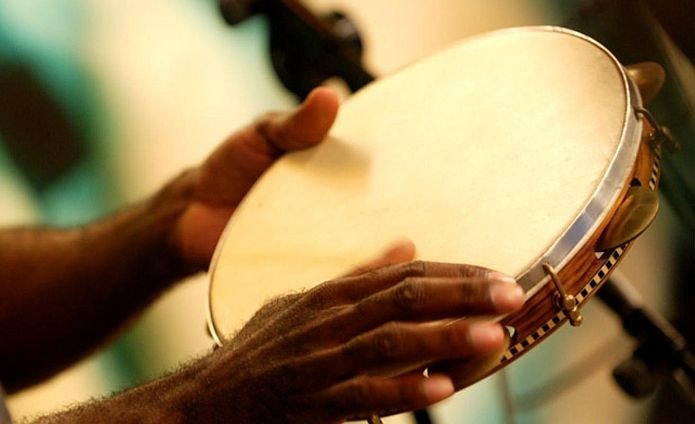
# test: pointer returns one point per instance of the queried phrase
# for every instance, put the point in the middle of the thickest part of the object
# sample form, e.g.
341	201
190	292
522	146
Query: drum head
487	153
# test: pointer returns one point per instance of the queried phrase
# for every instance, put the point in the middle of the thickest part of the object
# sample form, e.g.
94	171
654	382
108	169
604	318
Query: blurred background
102	101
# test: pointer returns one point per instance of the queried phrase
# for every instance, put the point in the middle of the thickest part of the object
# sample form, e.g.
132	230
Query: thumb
307	125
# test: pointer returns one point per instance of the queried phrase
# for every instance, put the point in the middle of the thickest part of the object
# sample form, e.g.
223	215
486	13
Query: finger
396	348
364	396
465	373
415	299
427	298
304	127
355	288
335	292
383	278
399	252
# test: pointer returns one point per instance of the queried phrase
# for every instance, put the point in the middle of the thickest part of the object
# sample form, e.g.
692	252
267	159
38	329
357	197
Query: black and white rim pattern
611	257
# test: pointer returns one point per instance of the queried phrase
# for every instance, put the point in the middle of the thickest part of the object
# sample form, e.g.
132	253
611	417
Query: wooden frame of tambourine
578	264
574	268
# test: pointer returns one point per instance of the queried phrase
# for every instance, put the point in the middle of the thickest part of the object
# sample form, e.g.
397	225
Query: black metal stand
661	353
305	49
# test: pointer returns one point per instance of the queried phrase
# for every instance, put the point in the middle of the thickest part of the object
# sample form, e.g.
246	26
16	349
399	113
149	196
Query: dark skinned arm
346	349
63	292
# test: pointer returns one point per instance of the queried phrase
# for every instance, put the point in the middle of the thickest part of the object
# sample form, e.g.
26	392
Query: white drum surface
483	154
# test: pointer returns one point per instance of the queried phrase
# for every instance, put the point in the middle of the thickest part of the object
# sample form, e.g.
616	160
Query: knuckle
416	268
374	273
375	347
264	126
370	274
476	292
353	350
473	271
386	343
457	336
410	294
319	297
265	120
356	393
364	308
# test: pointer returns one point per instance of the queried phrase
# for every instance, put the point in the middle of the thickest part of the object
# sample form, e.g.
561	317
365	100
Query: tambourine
524	150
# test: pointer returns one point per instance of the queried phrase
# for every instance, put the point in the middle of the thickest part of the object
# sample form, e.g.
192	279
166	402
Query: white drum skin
487	153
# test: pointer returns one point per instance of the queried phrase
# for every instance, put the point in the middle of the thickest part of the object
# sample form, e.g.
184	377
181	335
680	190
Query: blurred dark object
305	49
662	352
37	133
677	18
236	11
660	31
631	31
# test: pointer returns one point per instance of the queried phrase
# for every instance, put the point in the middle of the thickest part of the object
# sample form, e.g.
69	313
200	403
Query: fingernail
503	278
483	334
437	387
506	296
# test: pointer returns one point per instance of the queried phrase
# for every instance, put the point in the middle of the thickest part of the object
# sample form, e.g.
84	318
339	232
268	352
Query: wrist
164	212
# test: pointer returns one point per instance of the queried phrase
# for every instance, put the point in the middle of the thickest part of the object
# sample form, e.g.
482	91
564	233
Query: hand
223	180
358	345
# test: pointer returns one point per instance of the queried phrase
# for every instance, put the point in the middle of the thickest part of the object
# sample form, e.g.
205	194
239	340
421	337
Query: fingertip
485	337
402	250
325	95
507	297
436	387
310	123
323	101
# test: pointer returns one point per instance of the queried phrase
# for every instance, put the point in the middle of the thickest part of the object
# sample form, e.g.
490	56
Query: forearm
329	354
210	389
164	400
64	291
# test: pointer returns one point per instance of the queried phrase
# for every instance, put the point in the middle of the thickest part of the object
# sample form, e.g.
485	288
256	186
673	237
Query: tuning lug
565	301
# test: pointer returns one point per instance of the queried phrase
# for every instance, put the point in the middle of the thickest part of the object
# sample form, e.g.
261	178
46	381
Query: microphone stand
305	49
661	352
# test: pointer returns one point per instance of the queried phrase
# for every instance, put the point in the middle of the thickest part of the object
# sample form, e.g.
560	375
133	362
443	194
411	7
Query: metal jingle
633	216
649	78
